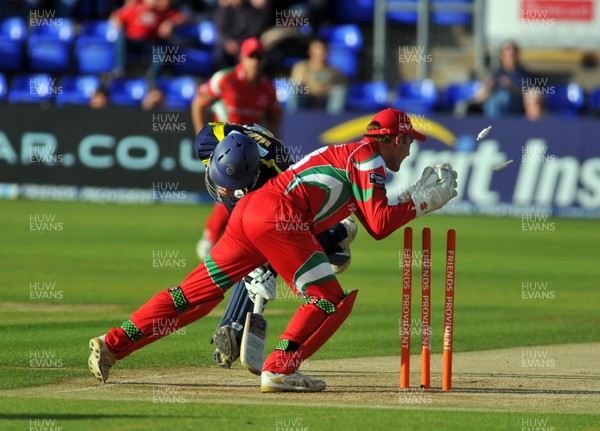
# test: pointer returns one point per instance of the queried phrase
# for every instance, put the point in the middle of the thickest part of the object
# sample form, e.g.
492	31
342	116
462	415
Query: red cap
250	46
395	122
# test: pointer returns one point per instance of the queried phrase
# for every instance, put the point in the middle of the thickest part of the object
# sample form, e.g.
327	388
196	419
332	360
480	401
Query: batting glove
261	282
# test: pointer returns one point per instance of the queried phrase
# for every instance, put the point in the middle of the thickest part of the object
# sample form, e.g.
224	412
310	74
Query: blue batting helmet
233	165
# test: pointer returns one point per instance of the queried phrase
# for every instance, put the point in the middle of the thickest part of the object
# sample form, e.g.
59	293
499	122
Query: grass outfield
73	270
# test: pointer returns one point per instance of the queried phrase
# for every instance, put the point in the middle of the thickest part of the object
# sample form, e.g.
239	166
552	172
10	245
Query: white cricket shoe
351	230
101	359
295	382
203	247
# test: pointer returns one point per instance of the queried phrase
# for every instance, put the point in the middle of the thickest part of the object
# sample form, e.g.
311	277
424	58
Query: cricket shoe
101	359
295	382
227	346
344	247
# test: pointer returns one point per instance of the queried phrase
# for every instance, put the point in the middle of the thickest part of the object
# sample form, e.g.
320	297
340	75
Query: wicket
407	261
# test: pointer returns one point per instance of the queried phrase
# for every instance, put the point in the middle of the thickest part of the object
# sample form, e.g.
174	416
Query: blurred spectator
316	83
241	95
154	99
100	99
533	103
147	25
502	92
236	20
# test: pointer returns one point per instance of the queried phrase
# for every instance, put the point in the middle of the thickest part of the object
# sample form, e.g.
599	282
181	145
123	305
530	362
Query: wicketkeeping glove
434	189
261	282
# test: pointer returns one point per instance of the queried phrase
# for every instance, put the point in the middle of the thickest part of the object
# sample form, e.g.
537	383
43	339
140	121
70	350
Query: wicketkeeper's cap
395	122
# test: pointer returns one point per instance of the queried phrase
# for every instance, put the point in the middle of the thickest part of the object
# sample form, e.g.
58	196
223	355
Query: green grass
103	415
101	264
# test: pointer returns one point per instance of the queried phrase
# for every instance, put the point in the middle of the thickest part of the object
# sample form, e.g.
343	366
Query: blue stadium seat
344	59
451	18
49	47
32	88
96	47
368	96
194	62
12	44
346	36
127	92
204	32
3	89
418	97
458	92
354	11
178	92
568	99
594	100
77	90
406	17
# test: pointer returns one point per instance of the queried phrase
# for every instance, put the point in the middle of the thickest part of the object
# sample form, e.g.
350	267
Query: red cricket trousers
264	227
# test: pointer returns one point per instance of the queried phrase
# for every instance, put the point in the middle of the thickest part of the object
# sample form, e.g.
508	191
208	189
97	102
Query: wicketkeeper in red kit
277	224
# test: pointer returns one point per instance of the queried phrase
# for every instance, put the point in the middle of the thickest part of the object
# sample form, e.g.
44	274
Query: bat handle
258	304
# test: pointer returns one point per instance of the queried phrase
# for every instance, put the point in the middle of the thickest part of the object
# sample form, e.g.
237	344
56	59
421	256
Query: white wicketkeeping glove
261	282
434	189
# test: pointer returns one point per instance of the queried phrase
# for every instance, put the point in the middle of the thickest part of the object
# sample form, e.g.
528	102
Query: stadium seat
3	89
368	96
346	36
451	18
194	62
32	88
594	100
12	44
49	47
203	33
458	92
351	11
127	92
178	92
77	90
418	97
344	59
406	17
568	100
96	47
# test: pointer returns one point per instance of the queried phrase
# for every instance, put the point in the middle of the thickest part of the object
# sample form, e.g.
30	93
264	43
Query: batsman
277	224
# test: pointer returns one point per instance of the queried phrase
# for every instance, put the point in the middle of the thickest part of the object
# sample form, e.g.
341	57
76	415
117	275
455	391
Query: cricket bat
252	350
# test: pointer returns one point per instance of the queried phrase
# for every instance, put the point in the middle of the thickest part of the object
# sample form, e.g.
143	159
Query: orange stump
449	311
405	315
426	309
